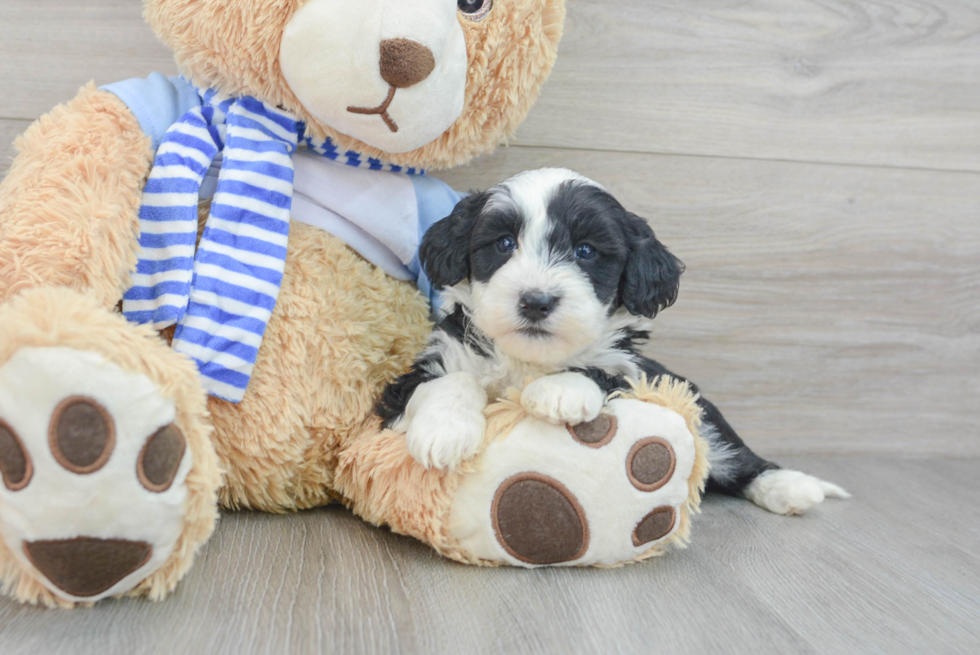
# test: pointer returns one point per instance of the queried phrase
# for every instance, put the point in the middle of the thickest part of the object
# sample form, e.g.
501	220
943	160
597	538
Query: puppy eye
475	10
506	245
585	251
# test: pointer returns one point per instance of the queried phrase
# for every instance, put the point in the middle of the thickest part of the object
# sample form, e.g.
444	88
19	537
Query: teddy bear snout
405	63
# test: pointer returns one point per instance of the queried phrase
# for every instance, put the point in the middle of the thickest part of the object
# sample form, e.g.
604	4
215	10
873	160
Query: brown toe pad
160	458
538	521
595	434
15	463
82	435
85	567
650	464
655	525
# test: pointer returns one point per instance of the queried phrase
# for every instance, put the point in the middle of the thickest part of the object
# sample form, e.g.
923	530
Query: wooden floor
816	163
895	570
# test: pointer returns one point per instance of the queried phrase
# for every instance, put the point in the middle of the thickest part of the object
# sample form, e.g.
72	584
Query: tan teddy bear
123	304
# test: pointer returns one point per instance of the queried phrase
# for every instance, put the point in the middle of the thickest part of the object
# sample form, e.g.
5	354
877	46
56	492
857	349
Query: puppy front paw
563	398
445	420
444	439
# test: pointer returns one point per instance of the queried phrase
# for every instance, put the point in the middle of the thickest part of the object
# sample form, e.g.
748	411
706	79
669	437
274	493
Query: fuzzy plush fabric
383	484
64	318
341	331
68	206
235	47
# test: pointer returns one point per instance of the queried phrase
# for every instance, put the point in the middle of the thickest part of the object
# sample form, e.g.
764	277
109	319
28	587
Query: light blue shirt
158	102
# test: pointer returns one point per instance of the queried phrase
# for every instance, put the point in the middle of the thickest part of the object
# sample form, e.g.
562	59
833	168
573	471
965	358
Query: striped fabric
326	147
222	296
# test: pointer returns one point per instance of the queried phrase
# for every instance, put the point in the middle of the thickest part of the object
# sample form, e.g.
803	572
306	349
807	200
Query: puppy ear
445	248
651	279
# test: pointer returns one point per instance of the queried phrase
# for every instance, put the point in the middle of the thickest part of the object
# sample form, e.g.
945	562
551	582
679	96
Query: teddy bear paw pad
93	467
538	521
85	567
655	526
15	465
650	464
603	492
594	434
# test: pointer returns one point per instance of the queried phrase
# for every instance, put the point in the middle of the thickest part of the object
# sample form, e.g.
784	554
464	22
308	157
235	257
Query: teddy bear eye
475	9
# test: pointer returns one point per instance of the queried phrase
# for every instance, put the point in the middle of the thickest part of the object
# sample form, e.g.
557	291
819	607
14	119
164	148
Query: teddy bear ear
445	249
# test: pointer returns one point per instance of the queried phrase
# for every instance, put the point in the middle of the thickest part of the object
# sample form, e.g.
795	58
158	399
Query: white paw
784	491
92	497
444	421
563	398
443	439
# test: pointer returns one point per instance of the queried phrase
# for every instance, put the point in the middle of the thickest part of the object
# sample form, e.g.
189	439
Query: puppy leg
787	492
444	420
563	398
737	471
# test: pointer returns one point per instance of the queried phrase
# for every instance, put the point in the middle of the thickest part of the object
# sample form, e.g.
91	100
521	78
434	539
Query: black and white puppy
548	278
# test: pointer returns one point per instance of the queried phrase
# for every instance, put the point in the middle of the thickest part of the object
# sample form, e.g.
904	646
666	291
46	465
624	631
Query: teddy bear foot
606	492
105	486
93	470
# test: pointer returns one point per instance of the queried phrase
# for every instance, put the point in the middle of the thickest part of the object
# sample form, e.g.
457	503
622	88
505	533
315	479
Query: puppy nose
405	63
536	305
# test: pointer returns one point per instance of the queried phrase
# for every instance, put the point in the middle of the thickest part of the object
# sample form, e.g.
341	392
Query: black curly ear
652	276
445	249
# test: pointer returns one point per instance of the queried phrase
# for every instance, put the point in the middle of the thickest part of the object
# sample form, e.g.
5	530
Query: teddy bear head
420	83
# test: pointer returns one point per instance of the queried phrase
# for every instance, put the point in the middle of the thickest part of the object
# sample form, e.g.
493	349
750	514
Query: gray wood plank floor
846	81
894	570
819	80
9	130
816	163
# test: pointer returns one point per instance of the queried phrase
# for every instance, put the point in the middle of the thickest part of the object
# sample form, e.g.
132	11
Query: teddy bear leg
109	479
615	490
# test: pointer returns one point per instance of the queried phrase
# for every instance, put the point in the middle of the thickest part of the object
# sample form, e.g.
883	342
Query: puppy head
550	256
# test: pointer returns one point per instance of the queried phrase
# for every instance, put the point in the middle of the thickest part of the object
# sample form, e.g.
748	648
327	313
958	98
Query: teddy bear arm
69	205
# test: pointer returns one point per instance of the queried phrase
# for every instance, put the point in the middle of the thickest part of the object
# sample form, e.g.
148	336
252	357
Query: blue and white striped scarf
222	296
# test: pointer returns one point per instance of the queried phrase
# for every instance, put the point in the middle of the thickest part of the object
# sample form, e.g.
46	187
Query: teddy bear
207	281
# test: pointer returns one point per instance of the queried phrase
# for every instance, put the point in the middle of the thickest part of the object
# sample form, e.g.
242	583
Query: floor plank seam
924	169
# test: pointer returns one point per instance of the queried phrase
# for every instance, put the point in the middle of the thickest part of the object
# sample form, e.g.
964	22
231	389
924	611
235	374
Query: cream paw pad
613	490
92	499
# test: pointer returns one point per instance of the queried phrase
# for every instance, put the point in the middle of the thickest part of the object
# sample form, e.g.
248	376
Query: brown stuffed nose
405	63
